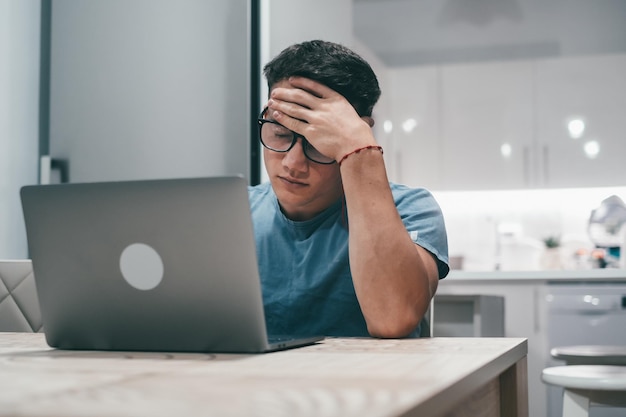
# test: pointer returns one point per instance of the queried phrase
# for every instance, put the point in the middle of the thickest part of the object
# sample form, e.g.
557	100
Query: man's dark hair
331	64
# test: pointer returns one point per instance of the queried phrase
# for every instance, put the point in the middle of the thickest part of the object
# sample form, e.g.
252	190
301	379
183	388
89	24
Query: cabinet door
415	150
486	125
592	89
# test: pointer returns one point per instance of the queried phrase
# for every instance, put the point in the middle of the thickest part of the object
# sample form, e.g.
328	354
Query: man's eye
279	131
285	136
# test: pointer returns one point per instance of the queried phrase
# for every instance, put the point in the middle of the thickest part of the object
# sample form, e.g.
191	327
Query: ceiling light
592	149
387	126
576	128
408	125
506	150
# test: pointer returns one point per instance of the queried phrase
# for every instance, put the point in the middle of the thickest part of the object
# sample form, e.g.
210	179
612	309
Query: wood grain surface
336	377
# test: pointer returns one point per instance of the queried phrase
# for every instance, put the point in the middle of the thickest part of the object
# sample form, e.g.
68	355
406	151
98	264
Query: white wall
19	105
297	21
383	110
522	218
285	22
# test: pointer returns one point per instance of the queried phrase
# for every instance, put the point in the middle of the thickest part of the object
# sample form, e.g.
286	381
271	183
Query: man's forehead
284	83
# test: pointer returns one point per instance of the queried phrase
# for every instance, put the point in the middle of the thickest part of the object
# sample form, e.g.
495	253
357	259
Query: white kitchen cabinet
414	150
503	125
486	125
593	89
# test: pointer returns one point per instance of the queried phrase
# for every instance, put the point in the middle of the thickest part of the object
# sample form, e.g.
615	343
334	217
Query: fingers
312	87
292	101
302	92
291	109
287	119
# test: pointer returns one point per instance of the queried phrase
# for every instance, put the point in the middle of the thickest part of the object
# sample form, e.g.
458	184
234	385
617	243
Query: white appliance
148	89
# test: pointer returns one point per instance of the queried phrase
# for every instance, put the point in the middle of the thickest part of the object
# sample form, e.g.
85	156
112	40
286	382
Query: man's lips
292	181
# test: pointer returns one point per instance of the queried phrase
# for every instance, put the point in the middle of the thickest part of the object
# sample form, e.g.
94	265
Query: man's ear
368	120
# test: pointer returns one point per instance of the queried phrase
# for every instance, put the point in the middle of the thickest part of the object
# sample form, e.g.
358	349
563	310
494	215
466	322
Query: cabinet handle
536	301
546	165
45	166
525	162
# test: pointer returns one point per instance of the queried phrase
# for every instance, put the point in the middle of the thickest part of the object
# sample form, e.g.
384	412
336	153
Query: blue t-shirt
304	266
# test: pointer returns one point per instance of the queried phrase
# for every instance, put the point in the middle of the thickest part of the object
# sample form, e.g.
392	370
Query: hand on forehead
309	94
301	87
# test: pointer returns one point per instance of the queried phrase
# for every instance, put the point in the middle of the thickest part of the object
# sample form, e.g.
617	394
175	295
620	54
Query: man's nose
295	157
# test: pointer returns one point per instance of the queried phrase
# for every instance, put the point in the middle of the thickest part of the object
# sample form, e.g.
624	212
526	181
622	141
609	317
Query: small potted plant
552	242
551	258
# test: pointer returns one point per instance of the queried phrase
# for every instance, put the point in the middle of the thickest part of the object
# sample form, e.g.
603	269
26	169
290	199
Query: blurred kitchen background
511	112
507	229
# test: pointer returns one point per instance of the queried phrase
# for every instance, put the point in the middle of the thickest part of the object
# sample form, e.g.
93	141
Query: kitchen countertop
608	275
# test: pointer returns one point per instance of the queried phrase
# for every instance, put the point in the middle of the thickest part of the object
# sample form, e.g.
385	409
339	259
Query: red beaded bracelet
380	148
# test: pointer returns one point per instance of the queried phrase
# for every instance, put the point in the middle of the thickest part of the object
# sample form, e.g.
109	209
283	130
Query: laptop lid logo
141	266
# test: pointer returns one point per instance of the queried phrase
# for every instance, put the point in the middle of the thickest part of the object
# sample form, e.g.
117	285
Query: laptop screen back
163	265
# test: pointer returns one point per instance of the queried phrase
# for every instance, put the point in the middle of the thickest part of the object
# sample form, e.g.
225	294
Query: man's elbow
394	328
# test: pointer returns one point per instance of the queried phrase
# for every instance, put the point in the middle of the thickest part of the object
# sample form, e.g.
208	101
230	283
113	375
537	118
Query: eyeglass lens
280	139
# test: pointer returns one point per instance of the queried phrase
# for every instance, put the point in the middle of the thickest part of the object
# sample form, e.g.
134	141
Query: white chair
426	328
590	354
19	306
587	384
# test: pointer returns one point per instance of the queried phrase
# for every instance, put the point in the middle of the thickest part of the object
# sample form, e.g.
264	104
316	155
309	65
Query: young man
342	251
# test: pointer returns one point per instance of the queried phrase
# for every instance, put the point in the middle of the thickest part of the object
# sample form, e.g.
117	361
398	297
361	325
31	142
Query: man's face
303	187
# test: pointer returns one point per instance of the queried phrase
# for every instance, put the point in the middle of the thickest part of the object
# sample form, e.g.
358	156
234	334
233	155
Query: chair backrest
19	305
428	321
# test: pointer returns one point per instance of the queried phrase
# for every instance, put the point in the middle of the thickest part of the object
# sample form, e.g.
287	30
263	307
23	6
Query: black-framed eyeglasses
278	138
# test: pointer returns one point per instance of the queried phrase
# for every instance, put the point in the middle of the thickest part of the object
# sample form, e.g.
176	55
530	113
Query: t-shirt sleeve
424	222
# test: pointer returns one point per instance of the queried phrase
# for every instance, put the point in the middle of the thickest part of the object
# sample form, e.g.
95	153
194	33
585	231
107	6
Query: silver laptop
154	265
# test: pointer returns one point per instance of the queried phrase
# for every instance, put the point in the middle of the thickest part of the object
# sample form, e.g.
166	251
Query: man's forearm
390	276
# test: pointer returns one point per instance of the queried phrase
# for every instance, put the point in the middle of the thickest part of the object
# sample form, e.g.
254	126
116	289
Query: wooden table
338	377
